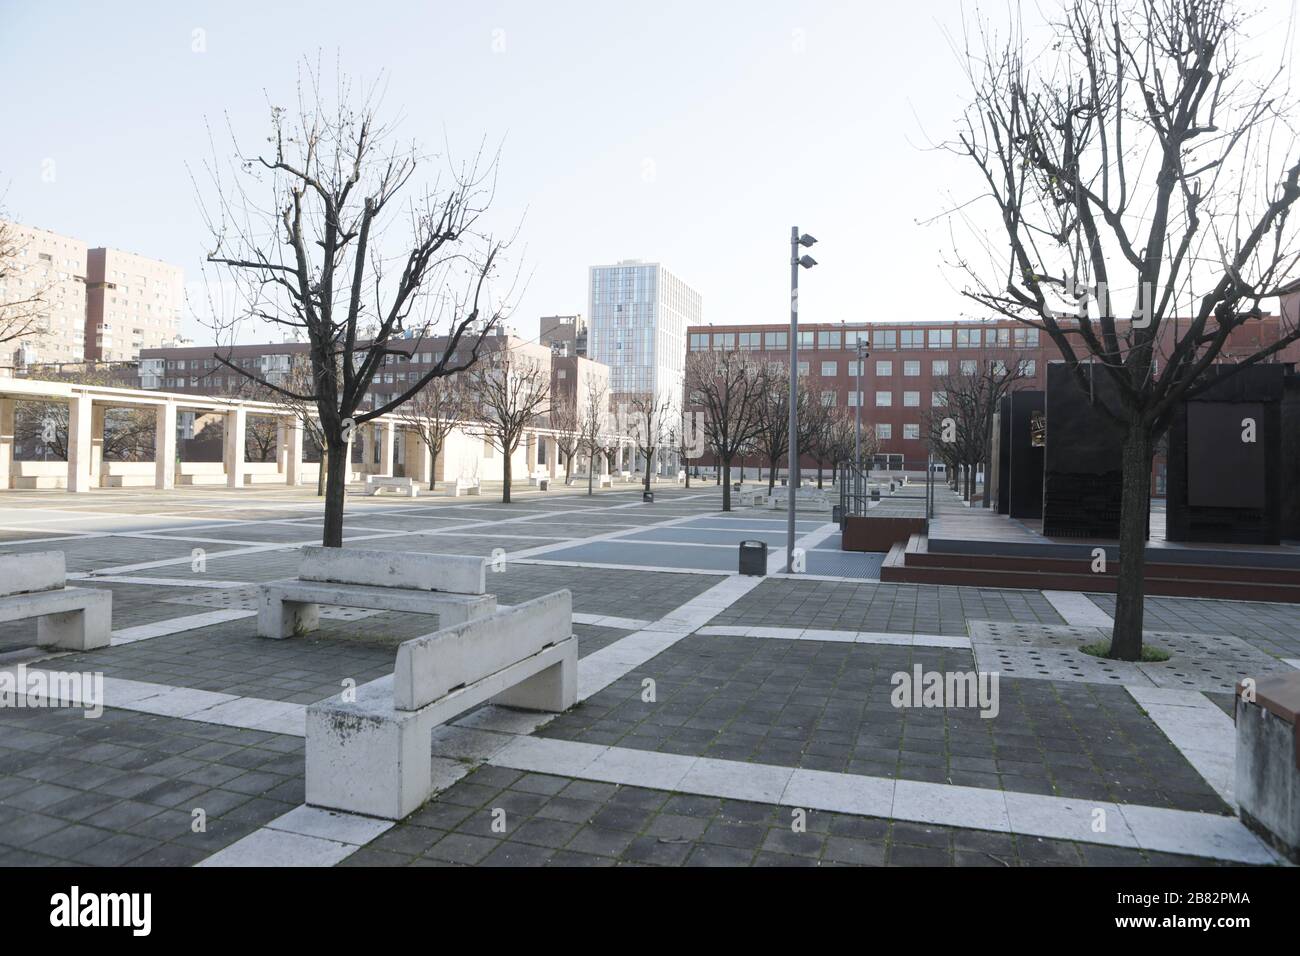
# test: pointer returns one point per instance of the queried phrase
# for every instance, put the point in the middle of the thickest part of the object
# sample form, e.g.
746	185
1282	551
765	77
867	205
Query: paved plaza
722	719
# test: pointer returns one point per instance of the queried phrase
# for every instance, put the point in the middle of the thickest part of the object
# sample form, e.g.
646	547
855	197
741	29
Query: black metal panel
1025	468
1221	488
1290	465
1083	474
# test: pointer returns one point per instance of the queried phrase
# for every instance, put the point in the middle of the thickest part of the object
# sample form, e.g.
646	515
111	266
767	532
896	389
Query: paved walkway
722	719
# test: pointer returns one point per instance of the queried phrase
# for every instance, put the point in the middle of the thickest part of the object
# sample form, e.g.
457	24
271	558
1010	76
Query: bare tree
772	439
434	412
814	420
1141	160
648	420
961	430
307	233
507	392
727	387
594	425
564	419
23	308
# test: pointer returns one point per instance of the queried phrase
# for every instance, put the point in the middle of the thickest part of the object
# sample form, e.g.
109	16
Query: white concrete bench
34	584
465	486
605	481
377	483
372	755
448	585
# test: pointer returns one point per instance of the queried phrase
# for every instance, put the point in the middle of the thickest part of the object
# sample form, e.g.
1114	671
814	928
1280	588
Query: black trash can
837	514
648	497
735	486
875	494
753	557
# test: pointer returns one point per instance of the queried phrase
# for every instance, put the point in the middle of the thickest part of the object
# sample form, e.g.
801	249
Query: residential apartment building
564	334
133	303
52	268
904	372
639	316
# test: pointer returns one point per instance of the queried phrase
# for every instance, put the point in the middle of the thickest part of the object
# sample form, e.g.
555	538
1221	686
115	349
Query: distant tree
564	419
727	388
961	430
23	308
648	419
772	439
507	392
594	426
434	413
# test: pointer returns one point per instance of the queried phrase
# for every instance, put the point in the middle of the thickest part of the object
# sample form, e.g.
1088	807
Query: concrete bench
1267	783
372	755
465	486
605	481
34	584
448	585
377	483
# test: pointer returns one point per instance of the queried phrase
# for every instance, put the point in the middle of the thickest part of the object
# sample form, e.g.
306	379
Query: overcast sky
694	134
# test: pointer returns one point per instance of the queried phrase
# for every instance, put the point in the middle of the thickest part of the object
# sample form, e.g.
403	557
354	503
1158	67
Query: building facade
133	303
902	380
564	334
639	316
52	267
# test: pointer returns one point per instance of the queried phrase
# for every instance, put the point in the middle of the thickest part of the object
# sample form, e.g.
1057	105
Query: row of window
878	339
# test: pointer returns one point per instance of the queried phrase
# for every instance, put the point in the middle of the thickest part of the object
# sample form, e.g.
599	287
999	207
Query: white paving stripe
305	836
186	703
843	637
1203	733
1152	828
609	620
176	625
1293	661
1077	609
776	560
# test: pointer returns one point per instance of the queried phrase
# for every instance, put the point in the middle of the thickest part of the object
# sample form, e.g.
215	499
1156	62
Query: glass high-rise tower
638	314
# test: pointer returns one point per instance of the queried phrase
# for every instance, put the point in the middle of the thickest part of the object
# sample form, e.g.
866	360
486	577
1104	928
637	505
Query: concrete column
98	413
291	443
553	466
387	447
419	463
367	447
281	447
80	413
6	443
164	447
236	423
530	444
604	462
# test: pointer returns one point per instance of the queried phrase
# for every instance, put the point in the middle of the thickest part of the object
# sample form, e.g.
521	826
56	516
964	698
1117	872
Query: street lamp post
807	262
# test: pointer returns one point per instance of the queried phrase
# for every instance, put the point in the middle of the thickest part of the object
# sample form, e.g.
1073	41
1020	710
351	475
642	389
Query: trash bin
648	497
785	482
544	484
837	514
735	486
875	494
753	557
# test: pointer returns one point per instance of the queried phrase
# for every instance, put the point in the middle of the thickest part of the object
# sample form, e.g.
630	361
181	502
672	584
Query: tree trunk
726	484
320	473
771	476
505	475
433	468
335	489
1135	506
568	469
649	456
819	474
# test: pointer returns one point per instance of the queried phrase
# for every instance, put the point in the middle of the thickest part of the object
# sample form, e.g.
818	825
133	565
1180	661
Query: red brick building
902	378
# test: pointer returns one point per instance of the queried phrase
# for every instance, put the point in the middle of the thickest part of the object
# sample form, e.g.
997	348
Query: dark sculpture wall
1290	472
1223	489
1025	470
1002	453
1083	472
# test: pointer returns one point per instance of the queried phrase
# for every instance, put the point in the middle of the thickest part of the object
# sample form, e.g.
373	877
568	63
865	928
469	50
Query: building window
884	399
940	338
968	366
830	369
1029	367
939	367
911	399
938	399
828	398
803	368
911	339
828	340
911	369
806	340
776	340
853	399
968	338
699	341
884	431
853	368
1026	338
912	431
749	341
885	339
884	368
